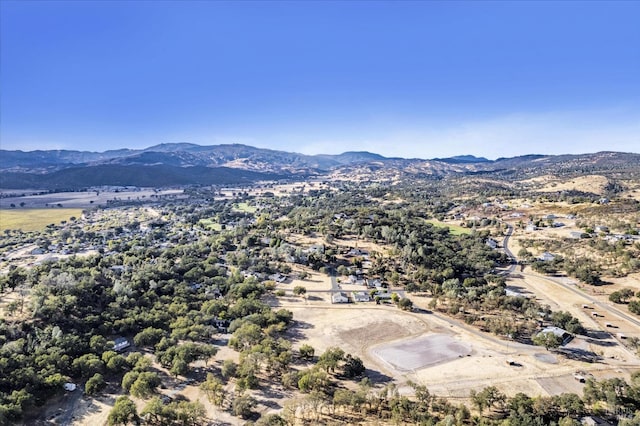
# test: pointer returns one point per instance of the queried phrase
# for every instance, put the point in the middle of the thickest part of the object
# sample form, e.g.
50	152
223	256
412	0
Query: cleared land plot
453	229
421	352
245	208
210	224
34	219
560	384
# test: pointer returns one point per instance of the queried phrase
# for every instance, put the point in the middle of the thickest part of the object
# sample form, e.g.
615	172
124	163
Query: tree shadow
294	331
377	376
605	343
579	354
597	334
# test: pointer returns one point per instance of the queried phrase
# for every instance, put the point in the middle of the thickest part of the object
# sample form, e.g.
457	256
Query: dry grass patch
34	219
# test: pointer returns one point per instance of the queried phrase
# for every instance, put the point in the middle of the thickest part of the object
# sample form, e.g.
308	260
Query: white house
339	298
360	296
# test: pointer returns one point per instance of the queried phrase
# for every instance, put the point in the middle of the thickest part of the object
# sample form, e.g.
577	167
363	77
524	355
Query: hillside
190	164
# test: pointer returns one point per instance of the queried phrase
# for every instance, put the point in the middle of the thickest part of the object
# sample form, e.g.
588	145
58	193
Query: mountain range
189	164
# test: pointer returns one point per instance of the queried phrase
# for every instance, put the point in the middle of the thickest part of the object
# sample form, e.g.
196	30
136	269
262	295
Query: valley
337	298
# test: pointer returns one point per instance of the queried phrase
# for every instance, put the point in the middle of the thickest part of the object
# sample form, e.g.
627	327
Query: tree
98	344
179	367
306	351
214	389
548	340
156	412
145	384
353	366
313	380
229	369
149	336
621	296
487	397
330	358
123	412
87	365
405	304
189	413
248	335
94	385
271	420
299	290
243	406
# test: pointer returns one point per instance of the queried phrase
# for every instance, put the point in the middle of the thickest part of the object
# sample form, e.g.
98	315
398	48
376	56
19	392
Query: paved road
505	247
602	305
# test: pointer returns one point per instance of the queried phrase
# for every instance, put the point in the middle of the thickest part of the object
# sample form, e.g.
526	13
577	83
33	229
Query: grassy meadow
244	207
453	229
34	219
210	224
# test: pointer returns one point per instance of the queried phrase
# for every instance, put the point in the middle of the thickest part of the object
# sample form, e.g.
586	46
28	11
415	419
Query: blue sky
411	79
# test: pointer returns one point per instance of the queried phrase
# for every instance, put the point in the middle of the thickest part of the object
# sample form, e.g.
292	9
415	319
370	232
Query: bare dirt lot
421	352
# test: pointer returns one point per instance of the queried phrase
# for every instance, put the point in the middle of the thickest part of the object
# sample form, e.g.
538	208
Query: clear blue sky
412	79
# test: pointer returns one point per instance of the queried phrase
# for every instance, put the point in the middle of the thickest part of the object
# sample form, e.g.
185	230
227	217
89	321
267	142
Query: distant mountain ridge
181	155
185	163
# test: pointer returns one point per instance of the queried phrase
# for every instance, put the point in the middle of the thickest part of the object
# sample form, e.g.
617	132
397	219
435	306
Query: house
120	344
278	277
383	295
357	279
374	283
594	421
491	243
546	257
531	227
360	296
37	251
561	333
576	235
340	297
601	228
357	252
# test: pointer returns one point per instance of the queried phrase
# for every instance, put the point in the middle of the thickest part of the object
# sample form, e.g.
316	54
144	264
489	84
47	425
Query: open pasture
453	229
34	219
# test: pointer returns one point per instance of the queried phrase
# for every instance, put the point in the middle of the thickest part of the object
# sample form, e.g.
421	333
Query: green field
453	229
244	207
34	219
210	224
